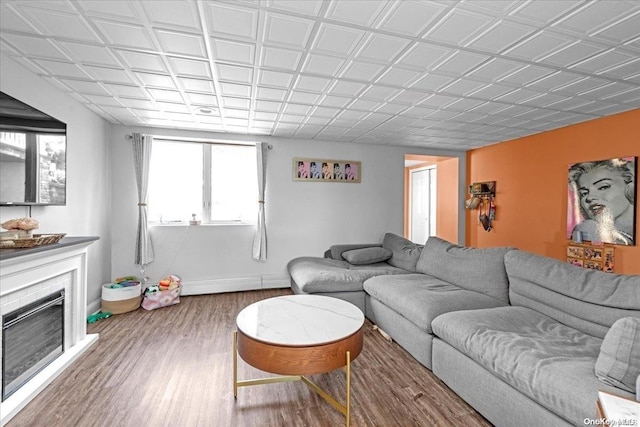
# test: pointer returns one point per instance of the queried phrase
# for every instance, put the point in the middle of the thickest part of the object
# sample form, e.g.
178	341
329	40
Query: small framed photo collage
591	256
325	170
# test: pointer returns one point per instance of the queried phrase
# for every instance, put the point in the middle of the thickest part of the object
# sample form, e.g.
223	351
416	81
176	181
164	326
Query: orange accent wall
531	175
447	194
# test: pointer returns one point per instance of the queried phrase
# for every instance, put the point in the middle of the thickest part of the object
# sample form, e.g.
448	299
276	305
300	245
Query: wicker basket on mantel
32	241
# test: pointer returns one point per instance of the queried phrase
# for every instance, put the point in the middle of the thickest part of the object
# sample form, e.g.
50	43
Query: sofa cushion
313	274
479	270
335	251
618	363
367	255
405	253
585	299
551	363
421	298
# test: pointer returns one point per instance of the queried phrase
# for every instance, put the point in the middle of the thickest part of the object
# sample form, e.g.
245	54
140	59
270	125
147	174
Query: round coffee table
297	335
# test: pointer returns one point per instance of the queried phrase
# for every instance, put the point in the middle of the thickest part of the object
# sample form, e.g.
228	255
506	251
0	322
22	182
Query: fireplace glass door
32	337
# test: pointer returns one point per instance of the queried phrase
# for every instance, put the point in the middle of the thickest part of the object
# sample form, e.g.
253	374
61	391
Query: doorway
422	203
431	201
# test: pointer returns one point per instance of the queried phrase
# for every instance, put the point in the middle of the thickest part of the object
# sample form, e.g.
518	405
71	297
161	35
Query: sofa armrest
335	251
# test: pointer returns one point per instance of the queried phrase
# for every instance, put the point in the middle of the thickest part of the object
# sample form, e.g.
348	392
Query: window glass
234	186
217	182
175	181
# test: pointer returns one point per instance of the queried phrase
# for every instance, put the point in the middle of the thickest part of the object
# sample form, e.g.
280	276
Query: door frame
412	170
451	192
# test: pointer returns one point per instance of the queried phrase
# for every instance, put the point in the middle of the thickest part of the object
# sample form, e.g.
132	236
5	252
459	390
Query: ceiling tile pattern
444	74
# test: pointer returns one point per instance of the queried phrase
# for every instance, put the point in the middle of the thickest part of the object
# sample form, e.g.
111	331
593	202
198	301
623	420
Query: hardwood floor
173	367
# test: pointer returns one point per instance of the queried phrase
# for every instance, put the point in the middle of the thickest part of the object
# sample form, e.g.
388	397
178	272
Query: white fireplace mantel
29	274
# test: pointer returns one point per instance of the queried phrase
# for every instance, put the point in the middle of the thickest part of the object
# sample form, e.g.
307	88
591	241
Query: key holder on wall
483	197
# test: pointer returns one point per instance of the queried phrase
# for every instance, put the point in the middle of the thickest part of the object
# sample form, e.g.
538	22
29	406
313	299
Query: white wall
87	212
303	218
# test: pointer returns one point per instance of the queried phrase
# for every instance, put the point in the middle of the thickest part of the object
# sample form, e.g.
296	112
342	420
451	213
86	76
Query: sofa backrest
587	300
405	252
474	269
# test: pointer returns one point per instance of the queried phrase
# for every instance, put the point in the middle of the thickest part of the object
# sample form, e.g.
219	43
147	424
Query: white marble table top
300	320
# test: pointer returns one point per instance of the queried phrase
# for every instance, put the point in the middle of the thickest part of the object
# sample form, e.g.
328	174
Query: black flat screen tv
33	155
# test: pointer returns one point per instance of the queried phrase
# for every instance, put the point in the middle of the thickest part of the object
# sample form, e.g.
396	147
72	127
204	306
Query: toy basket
157	297
120	300
161	299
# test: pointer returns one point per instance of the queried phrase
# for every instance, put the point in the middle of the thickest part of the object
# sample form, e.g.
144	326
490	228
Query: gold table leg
235	364
348	414
343	409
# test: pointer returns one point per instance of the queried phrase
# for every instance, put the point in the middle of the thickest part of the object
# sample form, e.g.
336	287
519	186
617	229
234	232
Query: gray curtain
260	238
142	157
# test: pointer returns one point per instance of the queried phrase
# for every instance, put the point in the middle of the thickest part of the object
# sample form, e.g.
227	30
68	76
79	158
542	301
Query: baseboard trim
276	281
235	284
217	286
94	307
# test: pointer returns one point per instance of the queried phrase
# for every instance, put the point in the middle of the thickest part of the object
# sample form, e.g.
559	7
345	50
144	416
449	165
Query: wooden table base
343	409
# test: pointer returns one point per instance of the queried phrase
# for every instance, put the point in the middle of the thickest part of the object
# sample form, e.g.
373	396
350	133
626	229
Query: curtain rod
172	138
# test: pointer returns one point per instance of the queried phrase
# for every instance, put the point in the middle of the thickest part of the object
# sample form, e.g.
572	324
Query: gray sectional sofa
335	276
525	339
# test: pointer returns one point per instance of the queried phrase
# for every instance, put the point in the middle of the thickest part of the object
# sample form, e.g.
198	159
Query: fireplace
33	279
32	338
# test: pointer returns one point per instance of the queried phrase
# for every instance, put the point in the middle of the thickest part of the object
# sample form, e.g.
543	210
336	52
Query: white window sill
211	224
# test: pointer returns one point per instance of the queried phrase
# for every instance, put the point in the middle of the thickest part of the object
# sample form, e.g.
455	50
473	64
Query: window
217	182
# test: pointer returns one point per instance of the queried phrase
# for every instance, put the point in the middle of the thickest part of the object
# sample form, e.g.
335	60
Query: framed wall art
595	257
601	202
325	170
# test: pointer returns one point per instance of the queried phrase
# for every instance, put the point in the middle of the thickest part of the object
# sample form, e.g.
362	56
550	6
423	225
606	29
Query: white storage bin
121	300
